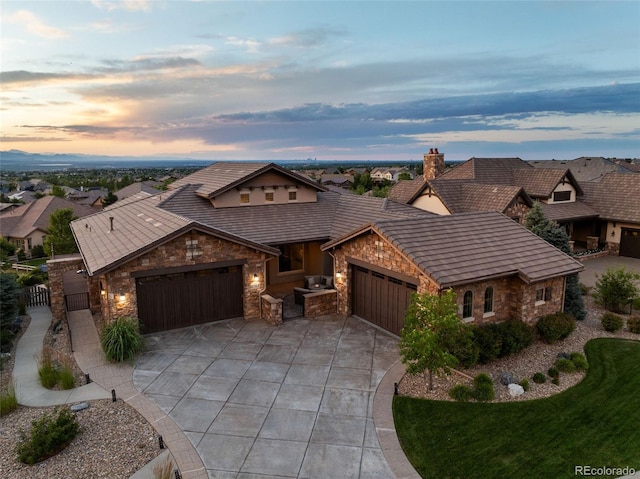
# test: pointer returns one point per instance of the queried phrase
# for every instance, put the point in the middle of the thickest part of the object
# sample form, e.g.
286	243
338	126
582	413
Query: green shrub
38	251
49	435
121	340
554	327
633	324
66	378
565	365
611	322
8	400
460	344
515	335
487	339
483	388
22	256
525	384
584	289
539	378
553	372
461	393
615	288
47	372
556	381
579	361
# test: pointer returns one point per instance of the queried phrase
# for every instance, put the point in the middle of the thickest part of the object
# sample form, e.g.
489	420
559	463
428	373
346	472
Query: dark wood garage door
630	243
381	299
177	300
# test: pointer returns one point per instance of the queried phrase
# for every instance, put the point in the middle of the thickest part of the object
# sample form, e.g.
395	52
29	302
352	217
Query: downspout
335	281
564	291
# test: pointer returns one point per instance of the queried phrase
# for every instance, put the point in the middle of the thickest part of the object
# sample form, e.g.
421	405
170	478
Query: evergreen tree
553	233
59	238
9	298
109	199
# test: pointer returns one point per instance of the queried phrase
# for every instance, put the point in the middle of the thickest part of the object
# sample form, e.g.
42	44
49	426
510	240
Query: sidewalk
105	377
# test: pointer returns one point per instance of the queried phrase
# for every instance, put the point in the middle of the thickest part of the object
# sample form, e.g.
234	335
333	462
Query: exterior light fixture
338	275
255	277
103	292
122	297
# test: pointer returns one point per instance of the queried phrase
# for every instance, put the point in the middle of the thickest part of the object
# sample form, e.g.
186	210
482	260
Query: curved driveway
294	400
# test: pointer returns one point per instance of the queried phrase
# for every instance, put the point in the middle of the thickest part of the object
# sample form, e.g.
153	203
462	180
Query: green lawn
596	423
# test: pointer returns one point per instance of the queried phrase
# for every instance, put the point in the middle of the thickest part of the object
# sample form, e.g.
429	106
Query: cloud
36	26
130	5
251	45
312	37
23	76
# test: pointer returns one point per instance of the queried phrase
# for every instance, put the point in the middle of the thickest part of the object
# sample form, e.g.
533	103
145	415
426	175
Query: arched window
467	305
488	300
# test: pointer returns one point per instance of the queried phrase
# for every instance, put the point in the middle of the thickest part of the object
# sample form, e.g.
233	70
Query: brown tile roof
459	249
615	197
137	187
585	168
137	227
222	176
20	222
487	170
568	211
540	183
405	191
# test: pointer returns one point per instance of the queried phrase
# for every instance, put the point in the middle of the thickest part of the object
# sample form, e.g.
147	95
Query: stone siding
517	209
192	248
320	303
56	269
271	309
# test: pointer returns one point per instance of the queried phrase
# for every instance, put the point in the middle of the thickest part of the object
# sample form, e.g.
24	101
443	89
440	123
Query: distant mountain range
17	160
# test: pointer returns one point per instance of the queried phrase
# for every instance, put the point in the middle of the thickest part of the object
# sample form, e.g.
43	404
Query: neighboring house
138	187
25	196
92	197
388	174
26	226
343	181
224	241
585	168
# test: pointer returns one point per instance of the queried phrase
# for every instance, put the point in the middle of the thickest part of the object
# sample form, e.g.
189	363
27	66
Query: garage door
177	300
381	299
630	243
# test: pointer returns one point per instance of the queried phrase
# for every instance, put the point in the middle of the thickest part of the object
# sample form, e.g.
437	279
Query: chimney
433	164
110	223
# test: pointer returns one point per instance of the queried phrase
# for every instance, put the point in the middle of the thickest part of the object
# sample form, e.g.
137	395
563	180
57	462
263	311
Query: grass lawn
596	423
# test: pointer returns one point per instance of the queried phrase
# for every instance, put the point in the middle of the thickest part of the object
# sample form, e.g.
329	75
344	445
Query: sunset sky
327	80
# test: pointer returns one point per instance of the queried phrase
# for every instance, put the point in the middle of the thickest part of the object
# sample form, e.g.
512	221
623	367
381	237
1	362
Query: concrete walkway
105	378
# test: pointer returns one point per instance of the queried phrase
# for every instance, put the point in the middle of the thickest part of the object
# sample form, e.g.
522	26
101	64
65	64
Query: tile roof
138	225
585	168
20	222
405	191
568	211
458	249
615	197
540	183
137	187
222	176
487	170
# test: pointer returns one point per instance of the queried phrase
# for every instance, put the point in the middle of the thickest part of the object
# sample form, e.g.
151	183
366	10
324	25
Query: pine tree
554	234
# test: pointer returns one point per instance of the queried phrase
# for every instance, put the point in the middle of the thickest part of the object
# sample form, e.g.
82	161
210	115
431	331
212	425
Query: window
547	294
293	195
268	197
291	257
488	300
244	198
539	294
467	305
562	196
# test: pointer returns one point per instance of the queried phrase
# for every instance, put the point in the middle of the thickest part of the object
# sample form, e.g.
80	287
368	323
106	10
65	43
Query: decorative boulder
79	407
506	379
515	390
562	355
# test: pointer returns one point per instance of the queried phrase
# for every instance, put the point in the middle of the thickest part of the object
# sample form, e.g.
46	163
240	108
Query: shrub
66	378
584	289
539	378
461	393
483	388
579	361
554	327
616	288
487	339
8	400
633	324
525	384
38	251
553	372
556	381
515	335
47	372
121	340
164	469
565	365
22	256
49	435
611	322
460	344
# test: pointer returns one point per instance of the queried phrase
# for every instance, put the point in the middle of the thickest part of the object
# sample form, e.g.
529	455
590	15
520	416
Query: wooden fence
36	296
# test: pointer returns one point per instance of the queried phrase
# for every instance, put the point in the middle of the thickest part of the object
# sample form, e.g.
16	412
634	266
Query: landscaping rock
79	407
563	355
506	379
516	390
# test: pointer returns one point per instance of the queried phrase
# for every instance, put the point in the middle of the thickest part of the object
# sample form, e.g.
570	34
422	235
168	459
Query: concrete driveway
273	402
597	266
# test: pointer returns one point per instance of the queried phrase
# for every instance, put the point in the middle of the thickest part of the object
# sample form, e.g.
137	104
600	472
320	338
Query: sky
332	80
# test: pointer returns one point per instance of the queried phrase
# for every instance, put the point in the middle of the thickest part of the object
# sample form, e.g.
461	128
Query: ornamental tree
59	239
617	288
429	320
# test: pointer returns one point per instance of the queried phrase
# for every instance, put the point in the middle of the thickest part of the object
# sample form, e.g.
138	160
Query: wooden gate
37	296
